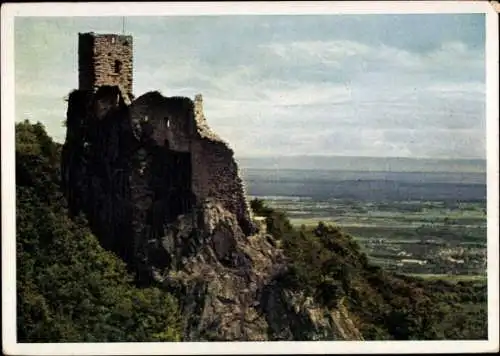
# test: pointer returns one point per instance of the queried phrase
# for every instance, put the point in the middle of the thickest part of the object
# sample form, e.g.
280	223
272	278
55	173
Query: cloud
292	117
281	85
328	53
356	57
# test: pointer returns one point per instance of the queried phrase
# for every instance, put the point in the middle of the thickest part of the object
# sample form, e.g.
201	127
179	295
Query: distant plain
424	217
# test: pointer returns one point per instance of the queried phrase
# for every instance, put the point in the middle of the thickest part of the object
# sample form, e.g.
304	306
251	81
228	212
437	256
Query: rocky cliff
163	191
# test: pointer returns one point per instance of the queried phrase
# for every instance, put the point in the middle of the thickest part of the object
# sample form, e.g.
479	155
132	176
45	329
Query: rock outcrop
163	191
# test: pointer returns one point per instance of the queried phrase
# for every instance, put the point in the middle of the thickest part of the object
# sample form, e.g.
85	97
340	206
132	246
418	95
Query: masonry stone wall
215	159
95	165
179	124
215	176
139	163
164	120
105	59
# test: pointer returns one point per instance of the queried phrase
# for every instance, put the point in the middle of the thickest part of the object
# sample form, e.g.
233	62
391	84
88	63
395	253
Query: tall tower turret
105	59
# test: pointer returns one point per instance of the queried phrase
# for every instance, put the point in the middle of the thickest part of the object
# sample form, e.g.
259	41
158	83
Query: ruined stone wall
134	169
180	124
164	120
105	60
95	165
215	171
86	64
215	176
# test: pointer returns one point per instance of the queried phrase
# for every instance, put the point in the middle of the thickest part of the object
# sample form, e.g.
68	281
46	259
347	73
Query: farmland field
432	224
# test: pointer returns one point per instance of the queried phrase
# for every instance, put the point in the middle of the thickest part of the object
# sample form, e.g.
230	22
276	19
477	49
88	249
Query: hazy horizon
364	163
361	156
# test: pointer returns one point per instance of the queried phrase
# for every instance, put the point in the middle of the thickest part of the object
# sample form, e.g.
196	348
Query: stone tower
105	59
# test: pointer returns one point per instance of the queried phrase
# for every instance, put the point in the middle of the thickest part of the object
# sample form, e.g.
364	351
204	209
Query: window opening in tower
118	67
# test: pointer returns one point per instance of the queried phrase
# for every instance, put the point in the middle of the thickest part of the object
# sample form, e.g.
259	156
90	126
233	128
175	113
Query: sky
279	85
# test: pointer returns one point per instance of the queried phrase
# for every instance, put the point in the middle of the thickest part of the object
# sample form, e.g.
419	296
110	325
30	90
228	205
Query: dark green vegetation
328	264
69	288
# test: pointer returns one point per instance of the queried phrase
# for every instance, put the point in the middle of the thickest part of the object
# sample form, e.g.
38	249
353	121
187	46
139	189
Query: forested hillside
69	288
72	290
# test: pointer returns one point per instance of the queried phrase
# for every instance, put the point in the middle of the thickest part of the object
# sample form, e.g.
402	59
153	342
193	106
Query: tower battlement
105	59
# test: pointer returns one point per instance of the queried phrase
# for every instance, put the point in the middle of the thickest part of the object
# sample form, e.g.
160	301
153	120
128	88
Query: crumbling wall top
202	126
125	40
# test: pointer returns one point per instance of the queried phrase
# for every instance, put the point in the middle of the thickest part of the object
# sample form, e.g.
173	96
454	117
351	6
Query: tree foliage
277	224
328	264
69	288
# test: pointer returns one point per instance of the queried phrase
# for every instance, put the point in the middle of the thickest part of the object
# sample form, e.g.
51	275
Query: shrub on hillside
69	289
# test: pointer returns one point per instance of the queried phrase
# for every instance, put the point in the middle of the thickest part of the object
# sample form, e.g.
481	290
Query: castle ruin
135	166
160	189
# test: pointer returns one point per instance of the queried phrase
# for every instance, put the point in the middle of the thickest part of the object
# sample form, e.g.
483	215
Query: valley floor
431	239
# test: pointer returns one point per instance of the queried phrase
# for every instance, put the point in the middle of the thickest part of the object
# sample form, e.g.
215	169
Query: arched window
118	67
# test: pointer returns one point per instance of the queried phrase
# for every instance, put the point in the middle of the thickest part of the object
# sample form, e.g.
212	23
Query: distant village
427	257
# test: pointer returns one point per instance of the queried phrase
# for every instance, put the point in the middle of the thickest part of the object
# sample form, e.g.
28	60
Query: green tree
69	288
277	222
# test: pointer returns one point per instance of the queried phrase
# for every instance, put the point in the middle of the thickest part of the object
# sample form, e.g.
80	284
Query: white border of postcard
10	11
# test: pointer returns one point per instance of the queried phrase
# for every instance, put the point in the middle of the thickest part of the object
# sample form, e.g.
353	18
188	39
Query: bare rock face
163	191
